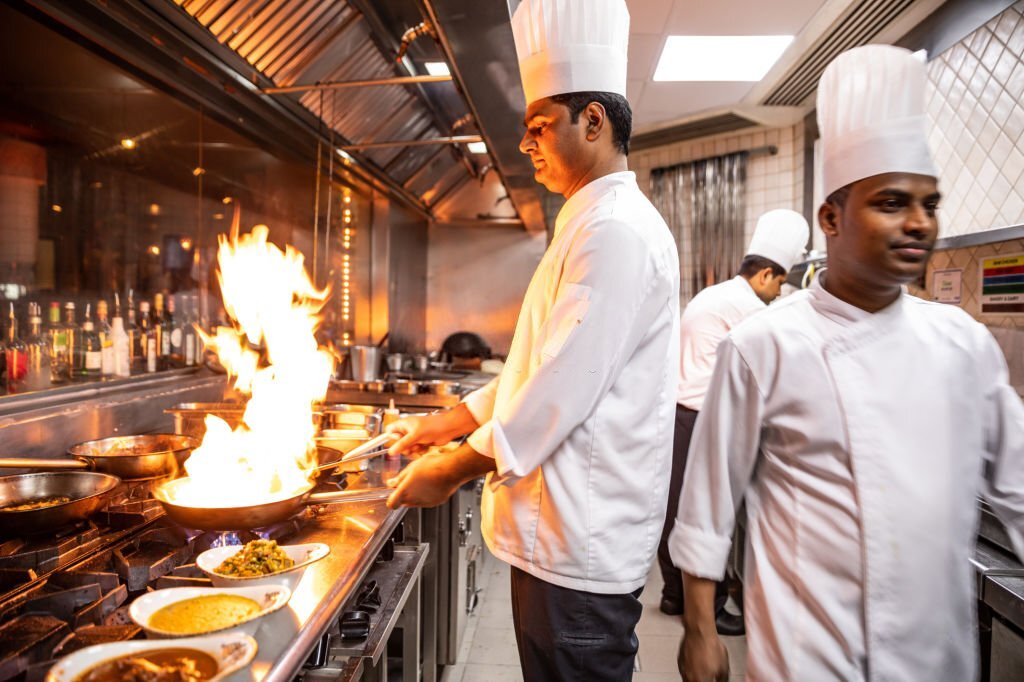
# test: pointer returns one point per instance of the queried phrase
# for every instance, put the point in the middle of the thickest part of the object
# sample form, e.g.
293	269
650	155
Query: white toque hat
781	237
871	116
571	46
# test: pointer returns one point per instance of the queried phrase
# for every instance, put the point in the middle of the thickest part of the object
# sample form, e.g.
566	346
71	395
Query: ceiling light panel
719	58
437	68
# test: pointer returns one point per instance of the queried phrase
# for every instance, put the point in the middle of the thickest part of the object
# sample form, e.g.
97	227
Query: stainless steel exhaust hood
346	63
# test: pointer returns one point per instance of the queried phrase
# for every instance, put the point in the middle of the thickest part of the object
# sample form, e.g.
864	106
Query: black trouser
566	635
673	577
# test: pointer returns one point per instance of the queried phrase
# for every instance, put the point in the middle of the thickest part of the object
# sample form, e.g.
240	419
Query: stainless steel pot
365	362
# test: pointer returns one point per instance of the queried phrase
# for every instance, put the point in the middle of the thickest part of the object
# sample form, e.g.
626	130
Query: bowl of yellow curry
260	562
193	611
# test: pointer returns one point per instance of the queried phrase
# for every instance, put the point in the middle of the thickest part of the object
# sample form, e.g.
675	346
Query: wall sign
947	285
1002	285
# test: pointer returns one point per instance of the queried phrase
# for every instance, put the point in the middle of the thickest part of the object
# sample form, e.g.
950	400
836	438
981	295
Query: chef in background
778	243
859	424
575	434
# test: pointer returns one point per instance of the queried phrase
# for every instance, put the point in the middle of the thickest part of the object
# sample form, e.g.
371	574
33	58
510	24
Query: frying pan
147	456
256	515
268	513
88	492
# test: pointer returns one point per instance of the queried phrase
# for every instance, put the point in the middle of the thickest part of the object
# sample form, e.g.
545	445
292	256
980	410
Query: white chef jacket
580	419
860	442
707	318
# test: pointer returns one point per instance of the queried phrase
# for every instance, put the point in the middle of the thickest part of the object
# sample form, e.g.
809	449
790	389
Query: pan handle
368	495
383	440
46	464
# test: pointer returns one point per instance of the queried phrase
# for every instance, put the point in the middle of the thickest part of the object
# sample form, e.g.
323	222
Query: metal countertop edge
290	664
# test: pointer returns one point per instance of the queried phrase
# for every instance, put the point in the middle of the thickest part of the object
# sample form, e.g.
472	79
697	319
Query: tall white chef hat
871	116
571	46
780	236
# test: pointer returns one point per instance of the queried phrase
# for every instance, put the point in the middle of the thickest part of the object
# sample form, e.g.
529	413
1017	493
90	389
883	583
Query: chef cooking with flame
575	434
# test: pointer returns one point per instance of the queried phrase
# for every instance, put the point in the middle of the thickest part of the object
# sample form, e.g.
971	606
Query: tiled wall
1007	329
977	107
772	181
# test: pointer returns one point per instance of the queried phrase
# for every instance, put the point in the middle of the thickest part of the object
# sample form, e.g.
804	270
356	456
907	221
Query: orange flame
271	455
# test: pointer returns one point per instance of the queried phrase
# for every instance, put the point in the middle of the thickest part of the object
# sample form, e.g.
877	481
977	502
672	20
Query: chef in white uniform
859	424
778	243
575	434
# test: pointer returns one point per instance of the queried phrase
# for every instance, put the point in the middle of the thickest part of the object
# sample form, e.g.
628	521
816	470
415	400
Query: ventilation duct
859	26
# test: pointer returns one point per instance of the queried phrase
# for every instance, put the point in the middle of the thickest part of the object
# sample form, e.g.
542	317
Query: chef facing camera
861	513
575	433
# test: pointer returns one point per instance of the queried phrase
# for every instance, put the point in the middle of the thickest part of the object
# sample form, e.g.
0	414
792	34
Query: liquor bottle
120	343
15	355
38	351
89	349
163	335
106	341
191	337
175	334
136	353
61	337
57	346
147	337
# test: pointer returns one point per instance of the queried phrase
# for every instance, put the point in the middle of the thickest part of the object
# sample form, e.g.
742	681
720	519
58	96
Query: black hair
839	197
615	106
752	265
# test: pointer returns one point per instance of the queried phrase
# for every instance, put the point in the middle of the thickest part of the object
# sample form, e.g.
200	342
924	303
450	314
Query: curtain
704	203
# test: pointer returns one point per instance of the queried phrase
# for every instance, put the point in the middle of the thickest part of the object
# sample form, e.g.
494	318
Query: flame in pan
275	307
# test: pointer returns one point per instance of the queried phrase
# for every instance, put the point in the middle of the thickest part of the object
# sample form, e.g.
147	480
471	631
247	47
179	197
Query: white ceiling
652	21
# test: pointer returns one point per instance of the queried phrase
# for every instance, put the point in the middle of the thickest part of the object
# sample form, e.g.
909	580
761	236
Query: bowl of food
197	659
260	562
195	611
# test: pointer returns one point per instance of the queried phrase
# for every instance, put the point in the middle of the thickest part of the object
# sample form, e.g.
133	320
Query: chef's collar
838	310
590	194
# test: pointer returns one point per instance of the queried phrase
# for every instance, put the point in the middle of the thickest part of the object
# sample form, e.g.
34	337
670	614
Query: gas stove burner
44	554
205	540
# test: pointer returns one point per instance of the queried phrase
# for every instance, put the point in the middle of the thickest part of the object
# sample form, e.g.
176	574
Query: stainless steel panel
1007	663
50	430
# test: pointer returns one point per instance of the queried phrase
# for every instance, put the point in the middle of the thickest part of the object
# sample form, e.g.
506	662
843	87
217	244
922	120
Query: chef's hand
431	480
703	658
425	482
417	434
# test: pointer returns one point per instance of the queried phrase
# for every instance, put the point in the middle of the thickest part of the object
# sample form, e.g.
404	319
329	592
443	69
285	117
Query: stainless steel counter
355	533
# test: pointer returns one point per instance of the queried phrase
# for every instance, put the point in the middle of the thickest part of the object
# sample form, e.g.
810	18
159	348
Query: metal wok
88	491
256	515
268	513
148	456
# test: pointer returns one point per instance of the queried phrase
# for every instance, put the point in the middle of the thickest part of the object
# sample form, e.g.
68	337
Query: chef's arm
431	480
702	655
723	452
480	402
612	290
417	434
1004	446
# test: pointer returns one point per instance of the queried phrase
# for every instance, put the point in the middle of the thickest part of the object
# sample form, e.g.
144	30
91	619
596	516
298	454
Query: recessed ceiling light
437	68
477	147
719	58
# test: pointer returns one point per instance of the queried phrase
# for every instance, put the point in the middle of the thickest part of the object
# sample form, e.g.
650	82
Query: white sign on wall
947	285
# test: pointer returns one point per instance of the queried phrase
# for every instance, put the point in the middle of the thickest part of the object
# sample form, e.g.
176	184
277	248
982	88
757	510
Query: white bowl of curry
194	611
202	659
260	562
